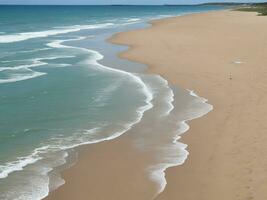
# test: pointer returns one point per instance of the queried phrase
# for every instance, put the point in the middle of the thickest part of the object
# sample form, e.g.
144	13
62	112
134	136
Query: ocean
63	86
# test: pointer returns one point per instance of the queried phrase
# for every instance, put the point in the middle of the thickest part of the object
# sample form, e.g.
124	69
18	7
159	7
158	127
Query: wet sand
222	56
107	170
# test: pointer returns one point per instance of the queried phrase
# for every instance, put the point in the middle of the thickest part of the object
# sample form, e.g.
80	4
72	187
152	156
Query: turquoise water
61	86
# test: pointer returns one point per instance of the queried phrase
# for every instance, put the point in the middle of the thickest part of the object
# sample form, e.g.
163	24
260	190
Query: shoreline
222	169
207	170
154	176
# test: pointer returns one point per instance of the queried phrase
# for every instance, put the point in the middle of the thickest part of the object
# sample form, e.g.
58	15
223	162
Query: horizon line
193	4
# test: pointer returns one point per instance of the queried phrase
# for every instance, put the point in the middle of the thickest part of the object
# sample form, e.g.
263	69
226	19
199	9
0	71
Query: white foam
38	174
94	61
15	78
35	63
53	58
169	97
130	21
18	52
32	74
163	93
97	56
62	65
22	162
166	16
15	166
56	144
41	34
134	20
192	93
34	50
58	43
157	172
172	158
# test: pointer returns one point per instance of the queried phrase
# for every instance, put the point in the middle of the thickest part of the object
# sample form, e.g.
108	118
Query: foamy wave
56	144
157	172
19	164
192	93
131	21
41	34
35	63
97	57
175	154
163	93
34	50
44	159
16	76
169	123
53	58
38	186
169	96
20	52
165	16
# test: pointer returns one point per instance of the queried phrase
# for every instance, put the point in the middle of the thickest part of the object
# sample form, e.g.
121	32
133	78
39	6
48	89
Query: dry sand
228	147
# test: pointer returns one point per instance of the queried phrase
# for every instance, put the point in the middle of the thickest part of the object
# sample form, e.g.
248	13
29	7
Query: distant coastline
201	4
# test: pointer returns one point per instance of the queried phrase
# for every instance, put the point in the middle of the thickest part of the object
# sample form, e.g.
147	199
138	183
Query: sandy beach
221	56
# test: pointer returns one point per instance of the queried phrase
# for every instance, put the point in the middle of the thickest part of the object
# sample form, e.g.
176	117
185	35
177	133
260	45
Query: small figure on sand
230	76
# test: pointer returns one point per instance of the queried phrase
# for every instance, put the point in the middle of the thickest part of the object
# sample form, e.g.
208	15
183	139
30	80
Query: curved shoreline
158	171
199	51
168	98
117	39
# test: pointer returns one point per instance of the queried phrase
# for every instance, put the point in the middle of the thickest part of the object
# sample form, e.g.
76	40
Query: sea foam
15	76
176	154
40	34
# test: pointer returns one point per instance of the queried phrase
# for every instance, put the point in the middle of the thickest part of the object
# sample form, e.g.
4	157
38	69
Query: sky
101	2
